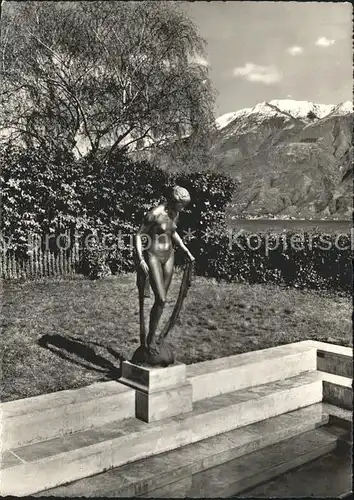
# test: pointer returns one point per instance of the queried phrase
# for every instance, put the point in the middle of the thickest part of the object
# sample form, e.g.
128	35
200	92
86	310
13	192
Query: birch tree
102	75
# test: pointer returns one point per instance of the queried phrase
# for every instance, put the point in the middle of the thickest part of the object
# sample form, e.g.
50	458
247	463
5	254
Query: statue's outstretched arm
178	241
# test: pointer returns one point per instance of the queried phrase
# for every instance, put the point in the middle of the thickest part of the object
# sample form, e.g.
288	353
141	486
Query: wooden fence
39	264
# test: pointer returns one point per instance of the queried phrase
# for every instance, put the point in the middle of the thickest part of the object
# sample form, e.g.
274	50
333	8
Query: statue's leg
158	286
168	271
168	274
141	281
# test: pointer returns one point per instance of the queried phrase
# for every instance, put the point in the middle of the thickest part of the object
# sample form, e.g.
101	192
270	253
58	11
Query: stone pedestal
159	392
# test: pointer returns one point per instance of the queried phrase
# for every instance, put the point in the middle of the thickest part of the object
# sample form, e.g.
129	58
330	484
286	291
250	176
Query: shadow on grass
77	351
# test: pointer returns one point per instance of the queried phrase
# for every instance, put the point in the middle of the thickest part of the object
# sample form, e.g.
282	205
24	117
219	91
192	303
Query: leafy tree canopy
102	75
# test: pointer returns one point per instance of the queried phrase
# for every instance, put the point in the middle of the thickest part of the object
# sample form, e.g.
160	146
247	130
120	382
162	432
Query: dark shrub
103	202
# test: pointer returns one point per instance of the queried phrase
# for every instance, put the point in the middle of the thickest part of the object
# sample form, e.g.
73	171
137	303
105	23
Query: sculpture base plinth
159	392
162	357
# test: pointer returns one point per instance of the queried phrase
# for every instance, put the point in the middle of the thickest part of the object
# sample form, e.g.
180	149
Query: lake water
264	225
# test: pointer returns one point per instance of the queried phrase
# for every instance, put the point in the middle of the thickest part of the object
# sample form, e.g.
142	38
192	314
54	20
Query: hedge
107	199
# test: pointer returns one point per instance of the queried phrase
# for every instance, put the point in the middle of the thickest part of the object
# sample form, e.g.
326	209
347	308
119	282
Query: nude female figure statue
156	259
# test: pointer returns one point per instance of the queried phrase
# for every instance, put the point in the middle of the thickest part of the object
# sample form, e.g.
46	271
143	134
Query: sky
259	51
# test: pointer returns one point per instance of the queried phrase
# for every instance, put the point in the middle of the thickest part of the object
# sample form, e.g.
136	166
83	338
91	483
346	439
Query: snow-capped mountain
294	109
290	158
225	119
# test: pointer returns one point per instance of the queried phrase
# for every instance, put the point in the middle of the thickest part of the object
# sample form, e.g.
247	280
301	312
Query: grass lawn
66	334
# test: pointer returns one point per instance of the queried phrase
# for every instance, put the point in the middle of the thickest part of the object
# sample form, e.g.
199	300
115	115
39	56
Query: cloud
255	73
295	50
322	41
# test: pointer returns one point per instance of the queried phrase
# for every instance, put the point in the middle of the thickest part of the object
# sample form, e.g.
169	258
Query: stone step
341	417
52	415
337	390
240	474
337	363
36	419
344	437
143	476
33	468
223	375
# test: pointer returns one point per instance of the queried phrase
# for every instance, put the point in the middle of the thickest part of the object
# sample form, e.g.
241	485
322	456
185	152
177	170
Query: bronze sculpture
155	268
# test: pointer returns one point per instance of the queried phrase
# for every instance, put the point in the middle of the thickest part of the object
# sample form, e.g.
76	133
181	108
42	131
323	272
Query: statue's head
180	197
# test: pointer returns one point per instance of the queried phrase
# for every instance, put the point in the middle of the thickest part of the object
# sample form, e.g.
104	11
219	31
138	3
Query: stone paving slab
39	418
278	366
247	357
61	398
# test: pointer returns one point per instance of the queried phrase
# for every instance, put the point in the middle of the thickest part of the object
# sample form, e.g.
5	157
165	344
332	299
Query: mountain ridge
291	159
297	109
